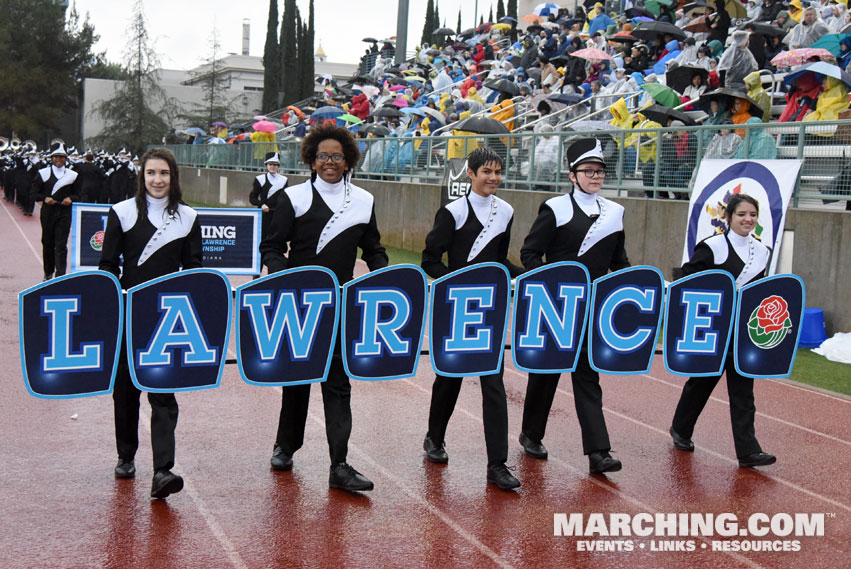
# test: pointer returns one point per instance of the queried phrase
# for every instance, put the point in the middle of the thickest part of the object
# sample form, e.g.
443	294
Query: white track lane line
713	453
24	235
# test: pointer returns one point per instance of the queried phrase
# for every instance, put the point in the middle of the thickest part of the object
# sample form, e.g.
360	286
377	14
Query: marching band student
586	228
746	259
266	190
57	188
473	229
323	222
157	234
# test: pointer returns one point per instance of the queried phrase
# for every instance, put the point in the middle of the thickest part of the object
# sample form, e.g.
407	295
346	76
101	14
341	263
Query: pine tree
490	15
500	10
289	53
301	42
458	28
436	22
217	103
428	27
512	11
308	64
271	61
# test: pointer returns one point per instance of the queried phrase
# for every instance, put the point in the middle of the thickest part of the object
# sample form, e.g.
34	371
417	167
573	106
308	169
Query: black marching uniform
747	261
92	180
56	183
266	190
25	174
122	181
563	231
152	246
468	239
320	223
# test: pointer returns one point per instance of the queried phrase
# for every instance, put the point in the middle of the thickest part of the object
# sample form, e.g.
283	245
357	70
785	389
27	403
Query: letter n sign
469	312
70	334
178	328
383	322
550	310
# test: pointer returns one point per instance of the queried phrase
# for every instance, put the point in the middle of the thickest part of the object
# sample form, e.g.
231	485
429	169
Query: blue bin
813	332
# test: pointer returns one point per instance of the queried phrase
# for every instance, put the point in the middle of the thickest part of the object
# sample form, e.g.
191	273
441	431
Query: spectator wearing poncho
837	21
832	101
760	146
801	98
755	91
738	61
807	32
600	22
724	145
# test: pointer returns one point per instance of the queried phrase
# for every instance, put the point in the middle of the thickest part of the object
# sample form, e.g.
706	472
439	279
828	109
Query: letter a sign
70	330
177	331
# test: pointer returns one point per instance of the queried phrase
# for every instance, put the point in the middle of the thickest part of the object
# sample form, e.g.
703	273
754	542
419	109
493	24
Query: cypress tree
271	61
429	27
308	63
458	29
500	10
512	11
436	22
490	14
289	53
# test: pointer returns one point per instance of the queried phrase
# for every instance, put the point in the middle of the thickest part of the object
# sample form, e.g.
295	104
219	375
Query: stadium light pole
401	31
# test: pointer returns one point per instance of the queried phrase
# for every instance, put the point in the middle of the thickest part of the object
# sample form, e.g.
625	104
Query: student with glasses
580	226
324	222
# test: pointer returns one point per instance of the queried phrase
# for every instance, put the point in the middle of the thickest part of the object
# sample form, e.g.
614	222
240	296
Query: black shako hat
585	150
272	158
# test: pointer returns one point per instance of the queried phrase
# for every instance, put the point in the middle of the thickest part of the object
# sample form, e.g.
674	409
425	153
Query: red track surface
61	506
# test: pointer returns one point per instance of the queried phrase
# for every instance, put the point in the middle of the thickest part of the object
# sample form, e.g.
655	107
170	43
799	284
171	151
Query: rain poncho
260	150
504	111
461	147
758	94
473	95
761	145
622	119
805	35
673	51
802	98
742	115
737	60
837	23
442	81
647	151
723	146
688	55
830	103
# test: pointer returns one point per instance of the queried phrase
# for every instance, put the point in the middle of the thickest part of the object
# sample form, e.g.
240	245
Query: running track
61	506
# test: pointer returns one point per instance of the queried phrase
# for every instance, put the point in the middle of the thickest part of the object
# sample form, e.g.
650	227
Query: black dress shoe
125	469
757	459
502	477
344	477
532	448
681	443
601	461
435	453
166	483
281	460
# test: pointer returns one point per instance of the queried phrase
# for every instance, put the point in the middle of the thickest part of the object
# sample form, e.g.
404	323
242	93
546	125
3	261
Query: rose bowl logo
769	322
97	241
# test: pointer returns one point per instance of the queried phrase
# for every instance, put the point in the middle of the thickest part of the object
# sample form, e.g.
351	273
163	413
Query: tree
307	63
134	114
512	11
215	84
43	61
271	61
500	10
436	21
289	53
490	14
429	26
458	28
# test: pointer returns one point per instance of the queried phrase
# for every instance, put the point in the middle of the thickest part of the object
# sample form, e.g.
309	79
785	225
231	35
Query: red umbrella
801	56
400	102
265	126
592	54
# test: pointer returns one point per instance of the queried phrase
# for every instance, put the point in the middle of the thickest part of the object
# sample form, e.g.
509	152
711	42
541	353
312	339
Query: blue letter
643	299
542	306
59	357
300	333
178	326
371	302
699	306
461	298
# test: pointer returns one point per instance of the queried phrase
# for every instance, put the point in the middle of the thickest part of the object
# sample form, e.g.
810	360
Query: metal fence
661	162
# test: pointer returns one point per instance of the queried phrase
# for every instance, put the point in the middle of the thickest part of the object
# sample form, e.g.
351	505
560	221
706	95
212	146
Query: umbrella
661	115
370	40
697	8
655	6
545	9
220	123
265	126
484	28
443	32
235	127
534	28
400	102
504	86
387	112
768	30
662	94
821	68
731	93
831	42
531	19
736	9
592	54
434	113
559	60
397	87
413	111
800	56
501	27
326	112
468	33
640	19
649	30
565	98
296	110
415	79
260	117
217	140
482	125
623	37
678	78
376	129
195	131
638	12
697	25
508	19
350	118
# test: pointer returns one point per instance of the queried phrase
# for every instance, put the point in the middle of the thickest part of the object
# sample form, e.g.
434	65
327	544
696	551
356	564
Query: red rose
98	237
772	314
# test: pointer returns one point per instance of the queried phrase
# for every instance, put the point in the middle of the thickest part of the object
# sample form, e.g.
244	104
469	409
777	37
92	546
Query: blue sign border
33	289
419	343
129	329
729	331
797	337
662	303
518	282
241	288
431	319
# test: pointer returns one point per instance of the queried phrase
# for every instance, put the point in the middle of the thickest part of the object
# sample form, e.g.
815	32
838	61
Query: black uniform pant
55	227
587	398
337	400
444	395
164	411
696	393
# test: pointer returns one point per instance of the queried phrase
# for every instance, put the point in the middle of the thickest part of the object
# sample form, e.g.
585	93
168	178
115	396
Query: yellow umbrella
501	27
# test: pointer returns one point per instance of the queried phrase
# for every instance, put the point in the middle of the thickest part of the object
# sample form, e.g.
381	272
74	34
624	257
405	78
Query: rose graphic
97	241
769	322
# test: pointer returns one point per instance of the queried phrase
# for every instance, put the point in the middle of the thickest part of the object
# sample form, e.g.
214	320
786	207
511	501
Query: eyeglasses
591	173
335	158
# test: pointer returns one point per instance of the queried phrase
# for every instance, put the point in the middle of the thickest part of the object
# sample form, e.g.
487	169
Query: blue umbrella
413	111
821	68
327	112
505	19
195	130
